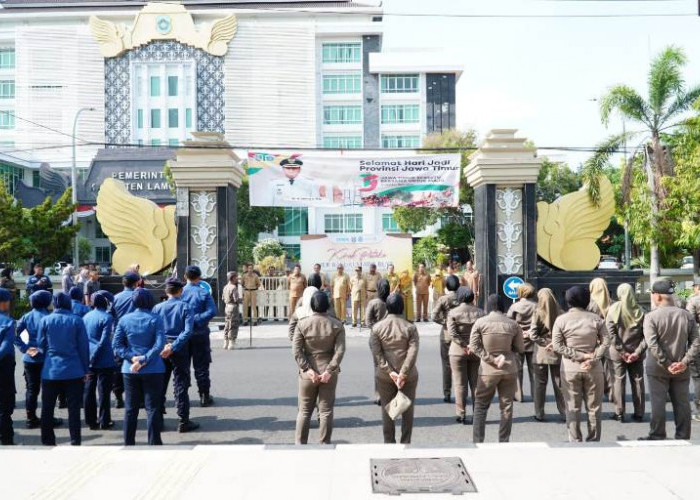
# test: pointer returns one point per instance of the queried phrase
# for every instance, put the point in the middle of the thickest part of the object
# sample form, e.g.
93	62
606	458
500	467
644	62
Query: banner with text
317	180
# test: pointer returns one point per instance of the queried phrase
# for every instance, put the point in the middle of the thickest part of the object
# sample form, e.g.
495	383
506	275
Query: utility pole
74	188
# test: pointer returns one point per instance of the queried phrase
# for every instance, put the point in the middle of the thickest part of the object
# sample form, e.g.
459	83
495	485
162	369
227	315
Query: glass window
389	224
342	223
7	120
103	254
342	115
342	84
342	52
99	234
399	84
342	142
139	118
173	142
36	178
172	86
7	58
296	222
155	118
400	113
173	118
188	118
10	176
7	89
155	142
155	86
400	141
293	251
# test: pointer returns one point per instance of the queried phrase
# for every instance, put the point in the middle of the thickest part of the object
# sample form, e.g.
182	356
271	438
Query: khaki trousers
422	304
465	377
371	295
636	375
341	309
609	375
310	395
358	311
292	305
231	322
526	357
677	389
583	388
539	393
485	389
387	391
250	301
446	366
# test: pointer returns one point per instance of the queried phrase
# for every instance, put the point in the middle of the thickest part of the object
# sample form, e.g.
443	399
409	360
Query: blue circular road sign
510	287
206	286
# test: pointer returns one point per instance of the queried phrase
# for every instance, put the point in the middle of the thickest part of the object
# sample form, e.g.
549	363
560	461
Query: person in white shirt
294	189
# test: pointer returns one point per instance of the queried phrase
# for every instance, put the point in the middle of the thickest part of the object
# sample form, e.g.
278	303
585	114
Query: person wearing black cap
318	348
123	305
99	325
139	339
178	320
394	344
203	309
673	342
441	309
293	189
7	369
64	343
375	312
464	363
582	340
693	306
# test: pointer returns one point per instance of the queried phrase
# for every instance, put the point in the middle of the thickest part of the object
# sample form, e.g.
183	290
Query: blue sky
539	74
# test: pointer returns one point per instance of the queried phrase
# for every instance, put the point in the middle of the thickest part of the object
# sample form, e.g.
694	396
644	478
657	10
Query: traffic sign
206	286
510	286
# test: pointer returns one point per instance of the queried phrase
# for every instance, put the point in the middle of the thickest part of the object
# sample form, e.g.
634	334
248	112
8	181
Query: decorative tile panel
203	233
509	223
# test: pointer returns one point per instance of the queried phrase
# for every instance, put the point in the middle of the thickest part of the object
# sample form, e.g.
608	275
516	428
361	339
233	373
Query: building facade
140	78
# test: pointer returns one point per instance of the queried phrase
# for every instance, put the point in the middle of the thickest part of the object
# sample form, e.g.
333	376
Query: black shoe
57	422
205	400
378	402
33	424
120	399
447	398
619	418
246	323
638	418
460	420
94	427
539	419
651	438
187	426
466	421
107	426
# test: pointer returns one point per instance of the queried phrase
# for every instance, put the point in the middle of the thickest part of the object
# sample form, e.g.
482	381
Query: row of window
296	223
351	83
343	53
7	58
155	86
355	141
173	118
7	120
352	114
7	89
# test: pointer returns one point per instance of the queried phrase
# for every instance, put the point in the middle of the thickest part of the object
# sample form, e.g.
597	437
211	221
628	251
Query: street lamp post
74	186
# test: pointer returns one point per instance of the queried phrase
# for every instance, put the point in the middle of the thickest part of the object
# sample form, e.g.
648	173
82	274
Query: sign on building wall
310	180
353	250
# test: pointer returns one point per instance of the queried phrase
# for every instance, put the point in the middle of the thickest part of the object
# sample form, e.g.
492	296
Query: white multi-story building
292	74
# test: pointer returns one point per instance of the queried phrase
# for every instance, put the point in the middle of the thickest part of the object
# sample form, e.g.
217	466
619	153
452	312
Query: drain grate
395	476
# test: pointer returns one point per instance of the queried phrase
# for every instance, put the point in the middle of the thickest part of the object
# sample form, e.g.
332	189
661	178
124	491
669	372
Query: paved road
256	402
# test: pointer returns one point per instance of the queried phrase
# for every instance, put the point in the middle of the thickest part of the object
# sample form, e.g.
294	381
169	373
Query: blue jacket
123	303
98	324
79	309
140	333
202	305
178	321
64	342
36	283
7	337
30	322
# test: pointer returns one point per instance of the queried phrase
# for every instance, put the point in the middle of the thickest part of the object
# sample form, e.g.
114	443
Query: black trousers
50	389
7	398
200	352
118	381
32	381
149	389
178	366
98	390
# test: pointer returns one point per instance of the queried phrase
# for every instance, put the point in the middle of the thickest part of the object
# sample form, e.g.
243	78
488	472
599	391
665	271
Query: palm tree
667	102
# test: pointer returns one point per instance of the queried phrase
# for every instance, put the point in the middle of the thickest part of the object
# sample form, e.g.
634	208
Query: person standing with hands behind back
7	369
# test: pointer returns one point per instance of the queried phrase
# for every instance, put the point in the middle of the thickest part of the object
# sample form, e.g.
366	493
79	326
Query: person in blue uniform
64	344
7	369
204	310
76	298
99	324
123	305
33	360
178	321
38	281
138	340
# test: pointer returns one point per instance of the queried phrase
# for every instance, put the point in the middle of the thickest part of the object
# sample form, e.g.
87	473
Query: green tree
50	230
252	221
668	99
556	179
13	245
427	251
267	248
84	249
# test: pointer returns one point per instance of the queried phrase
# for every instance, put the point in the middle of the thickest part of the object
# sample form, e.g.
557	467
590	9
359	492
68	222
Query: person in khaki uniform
625	324
581	339
522	312
406	288
232	300
372	279
296	283
319	347
440	311
393	279
251	284
358	297
375	312
547	362
497	340
693	306
394	345
322	277
464	363
438	283
600	303
421	280
472	279
340	288
672	337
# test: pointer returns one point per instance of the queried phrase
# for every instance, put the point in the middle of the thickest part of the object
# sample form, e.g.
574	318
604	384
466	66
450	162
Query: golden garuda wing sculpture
222	32
108	35
143	232
567	229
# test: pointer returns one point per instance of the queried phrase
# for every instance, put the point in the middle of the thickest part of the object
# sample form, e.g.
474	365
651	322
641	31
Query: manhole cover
395	476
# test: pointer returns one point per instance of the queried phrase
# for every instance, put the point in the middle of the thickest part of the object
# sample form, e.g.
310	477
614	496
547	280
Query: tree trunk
652	169
696	263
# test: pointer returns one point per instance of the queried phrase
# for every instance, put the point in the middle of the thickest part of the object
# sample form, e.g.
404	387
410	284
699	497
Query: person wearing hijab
441	309
33	360
64	343
522	312
139	340
599	304
121	306
394	344
625	324
579	336
406	287
463	362
546	361
76	298
67	279
318	346
375	312
232	301
99	325
7	369
302	311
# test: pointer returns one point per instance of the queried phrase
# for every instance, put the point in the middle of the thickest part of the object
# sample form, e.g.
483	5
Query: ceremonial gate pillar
207	175
503	173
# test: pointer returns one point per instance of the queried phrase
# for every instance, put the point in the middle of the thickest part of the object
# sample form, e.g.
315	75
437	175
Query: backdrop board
372	180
